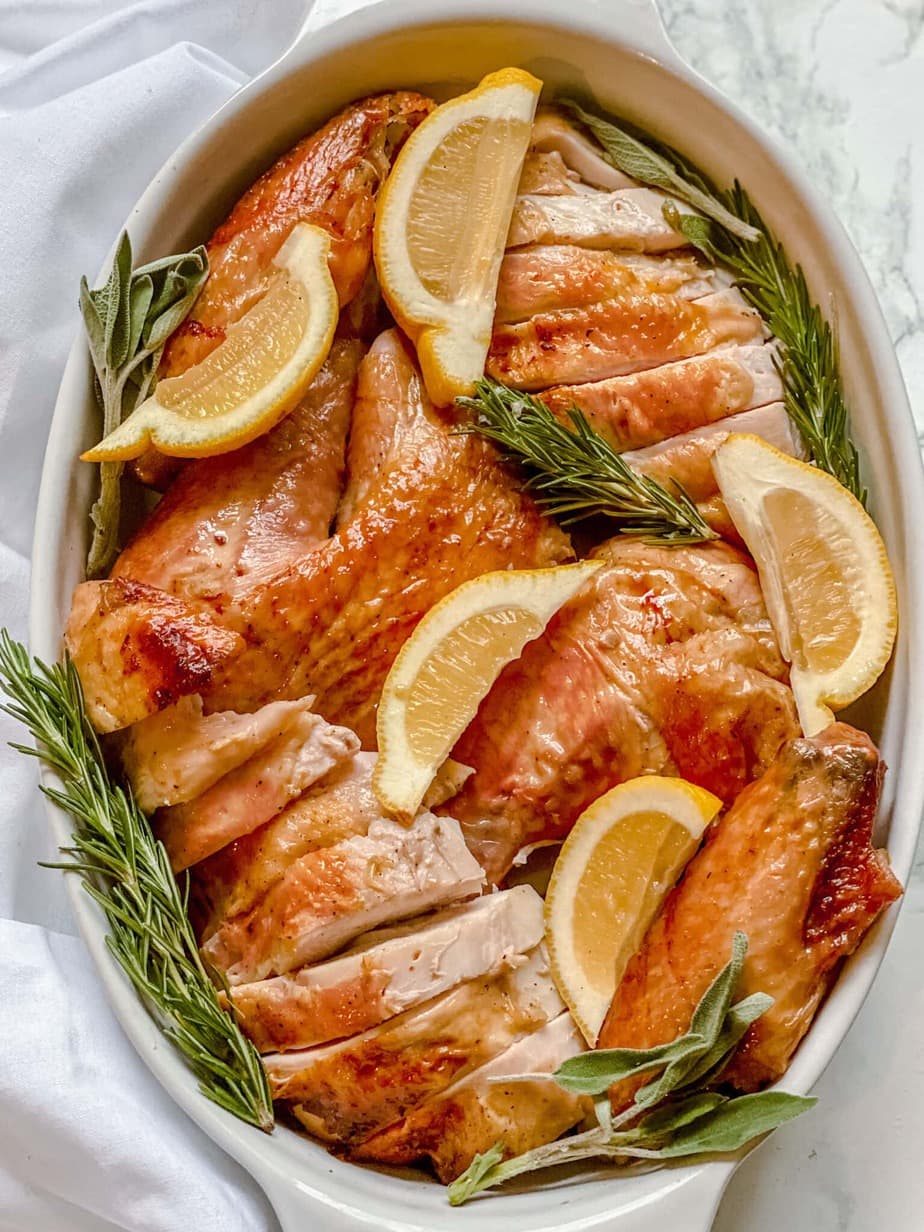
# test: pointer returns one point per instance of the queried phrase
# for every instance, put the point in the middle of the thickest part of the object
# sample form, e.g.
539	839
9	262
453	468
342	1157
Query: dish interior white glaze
618	50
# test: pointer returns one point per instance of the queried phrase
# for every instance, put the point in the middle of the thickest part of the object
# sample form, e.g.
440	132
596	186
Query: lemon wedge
257	374
449	663
615	868
441	223
823	568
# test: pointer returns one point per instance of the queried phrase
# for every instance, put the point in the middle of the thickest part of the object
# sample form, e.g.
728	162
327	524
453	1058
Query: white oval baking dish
619	50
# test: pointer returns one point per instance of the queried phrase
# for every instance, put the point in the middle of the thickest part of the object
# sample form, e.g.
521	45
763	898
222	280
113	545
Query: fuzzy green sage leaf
127	322
735	1123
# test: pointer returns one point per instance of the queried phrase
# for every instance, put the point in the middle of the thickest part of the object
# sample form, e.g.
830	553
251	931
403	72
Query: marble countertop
842	82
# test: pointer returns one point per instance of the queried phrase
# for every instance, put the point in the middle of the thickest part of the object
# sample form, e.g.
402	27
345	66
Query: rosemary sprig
126	870
575	473
732	233
128	320
672	1116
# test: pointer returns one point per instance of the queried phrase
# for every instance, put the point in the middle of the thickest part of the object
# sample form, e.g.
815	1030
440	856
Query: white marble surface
842	82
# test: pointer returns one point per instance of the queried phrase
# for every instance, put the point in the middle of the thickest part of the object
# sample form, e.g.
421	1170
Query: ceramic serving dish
618	50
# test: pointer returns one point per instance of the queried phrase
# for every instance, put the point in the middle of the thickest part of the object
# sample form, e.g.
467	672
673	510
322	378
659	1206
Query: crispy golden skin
390	402
230	522
645	408
330	179
636	328
139	650
792	866
552	277
664	662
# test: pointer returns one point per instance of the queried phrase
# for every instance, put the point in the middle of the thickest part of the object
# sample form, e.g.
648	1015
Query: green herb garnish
127	872
732	233
575	473
671	1116
128	320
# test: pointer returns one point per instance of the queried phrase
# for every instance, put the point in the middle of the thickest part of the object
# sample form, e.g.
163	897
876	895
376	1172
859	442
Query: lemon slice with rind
824	570
447	666
442	221
254	377
623	855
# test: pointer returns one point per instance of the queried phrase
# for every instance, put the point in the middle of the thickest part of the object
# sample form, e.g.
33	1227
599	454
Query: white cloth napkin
94	96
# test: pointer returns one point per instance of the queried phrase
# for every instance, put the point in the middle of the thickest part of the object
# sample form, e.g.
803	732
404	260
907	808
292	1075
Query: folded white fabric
94	96
88	1138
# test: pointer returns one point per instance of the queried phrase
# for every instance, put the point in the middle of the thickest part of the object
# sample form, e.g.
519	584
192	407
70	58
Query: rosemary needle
575	473
127	872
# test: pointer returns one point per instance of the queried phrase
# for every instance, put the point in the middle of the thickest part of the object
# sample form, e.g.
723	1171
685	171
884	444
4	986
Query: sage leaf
127	321
672	1117
483	1174
677	1113
708	1019
736	1122
118	306
637	159
140	296
737	1021
592	1073
473	1178
93	324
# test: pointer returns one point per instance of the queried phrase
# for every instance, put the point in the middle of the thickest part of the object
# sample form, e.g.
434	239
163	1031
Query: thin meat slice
347	1091
389	971
256	790
179	753
629	219
330	180
618	336
482	1109
792	866
139	650
644	408
556	132
341	805
331	895
545	173
687	459
229	523
664	662
549	278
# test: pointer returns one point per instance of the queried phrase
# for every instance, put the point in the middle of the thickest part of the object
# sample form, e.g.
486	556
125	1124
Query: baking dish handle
641	22
689	1205
638	20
